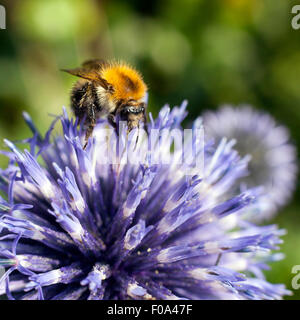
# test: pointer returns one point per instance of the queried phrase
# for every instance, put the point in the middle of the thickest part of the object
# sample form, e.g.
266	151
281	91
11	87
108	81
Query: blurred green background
207	51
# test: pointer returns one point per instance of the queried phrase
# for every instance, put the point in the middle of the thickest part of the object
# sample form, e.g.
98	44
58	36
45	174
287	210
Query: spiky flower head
87	224
273	157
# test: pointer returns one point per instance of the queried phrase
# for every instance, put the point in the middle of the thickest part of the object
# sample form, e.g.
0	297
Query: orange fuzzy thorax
127	82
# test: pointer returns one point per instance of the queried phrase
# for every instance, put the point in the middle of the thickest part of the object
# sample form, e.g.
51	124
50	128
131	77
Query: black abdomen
84	101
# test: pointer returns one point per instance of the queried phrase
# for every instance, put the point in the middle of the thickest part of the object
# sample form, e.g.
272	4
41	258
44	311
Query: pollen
126	81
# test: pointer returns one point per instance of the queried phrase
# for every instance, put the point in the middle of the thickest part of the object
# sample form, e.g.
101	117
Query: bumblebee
111	89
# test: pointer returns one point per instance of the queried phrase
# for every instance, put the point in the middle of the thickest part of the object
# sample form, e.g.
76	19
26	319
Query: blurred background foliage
209	52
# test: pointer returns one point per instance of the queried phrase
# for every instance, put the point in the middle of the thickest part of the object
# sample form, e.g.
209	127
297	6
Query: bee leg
218	259
146	128
111	120
146	122
137	136
91	124
88	133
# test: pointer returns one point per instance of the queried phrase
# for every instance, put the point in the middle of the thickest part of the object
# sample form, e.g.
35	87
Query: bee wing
94	64
91	74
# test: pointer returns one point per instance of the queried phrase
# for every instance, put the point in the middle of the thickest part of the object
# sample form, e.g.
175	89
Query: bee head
133	114
133	110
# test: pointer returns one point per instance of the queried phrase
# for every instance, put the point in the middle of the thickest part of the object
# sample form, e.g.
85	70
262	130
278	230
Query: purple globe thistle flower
273	158
85	224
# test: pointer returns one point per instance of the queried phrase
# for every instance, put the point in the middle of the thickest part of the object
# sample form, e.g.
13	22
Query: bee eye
131	109
126	110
